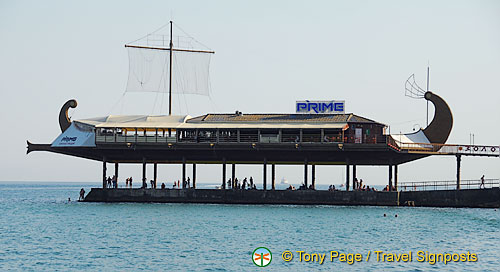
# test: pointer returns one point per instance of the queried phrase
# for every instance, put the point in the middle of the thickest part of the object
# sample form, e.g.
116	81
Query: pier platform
470	198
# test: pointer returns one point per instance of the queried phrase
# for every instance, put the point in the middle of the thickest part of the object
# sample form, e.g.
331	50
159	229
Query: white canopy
180	122
412	138
138	121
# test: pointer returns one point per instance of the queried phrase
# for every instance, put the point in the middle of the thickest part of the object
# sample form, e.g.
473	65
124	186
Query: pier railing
447	184
448	149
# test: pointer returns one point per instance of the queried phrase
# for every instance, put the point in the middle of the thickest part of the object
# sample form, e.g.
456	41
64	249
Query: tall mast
427	118
170	78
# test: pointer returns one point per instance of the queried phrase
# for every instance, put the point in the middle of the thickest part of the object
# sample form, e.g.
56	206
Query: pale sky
268	55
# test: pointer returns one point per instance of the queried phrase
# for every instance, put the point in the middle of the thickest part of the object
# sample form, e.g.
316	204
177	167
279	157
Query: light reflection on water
41	230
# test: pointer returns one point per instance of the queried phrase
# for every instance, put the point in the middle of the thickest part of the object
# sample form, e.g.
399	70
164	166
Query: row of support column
393	169
144	179
393	187
354	176
264	175
306	175
393	174
273	174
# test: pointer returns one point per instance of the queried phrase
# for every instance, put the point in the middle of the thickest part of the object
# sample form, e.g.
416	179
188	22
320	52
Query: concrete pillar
264	180
233	175
354	176
116	173
183	172
104	178
305	172
390	176
194	175
273	176
347	175
224	173
396	176
143	171
155	173
459	160
313	180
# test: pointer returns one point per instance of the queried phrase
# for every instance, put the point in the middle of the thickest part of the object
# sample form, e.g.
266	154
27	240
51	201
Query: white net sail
149	64
149	71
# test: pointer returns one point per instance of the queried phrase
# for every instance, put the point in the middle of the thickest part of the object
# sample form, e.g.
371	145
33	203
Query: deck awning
179	122
137	121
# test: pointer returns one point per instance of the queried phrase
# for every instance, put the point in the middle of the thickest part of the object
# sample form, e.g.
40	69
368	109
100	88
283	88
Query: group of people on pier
128	182
386	188
112	182
359	186
185	184
247	184
303	186
332	188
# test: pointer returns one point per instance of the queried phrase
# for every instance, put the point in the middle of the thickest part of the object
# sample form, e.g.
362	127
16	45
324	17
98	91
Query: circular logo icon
262	256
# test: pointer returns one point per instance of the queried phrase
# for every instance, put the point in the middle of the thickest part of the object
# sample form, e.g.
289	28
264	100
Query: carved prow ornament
439	129
64	120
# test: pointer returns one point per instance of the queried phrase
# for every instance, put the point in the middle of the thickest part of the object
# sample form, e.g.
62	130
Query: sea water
40	230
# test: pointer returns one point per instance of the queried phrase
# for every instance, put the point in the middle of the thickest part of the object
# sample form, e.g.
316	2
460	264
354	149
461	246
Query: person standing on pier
482	183
82	194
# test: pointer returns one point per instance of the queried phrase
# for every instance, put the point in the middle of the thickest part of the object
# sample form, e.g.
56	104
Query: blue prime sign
333	106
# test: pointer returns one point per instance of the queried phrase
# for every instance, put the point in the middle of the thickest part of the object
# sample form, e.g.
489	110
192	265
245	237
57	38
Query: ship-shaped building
329	137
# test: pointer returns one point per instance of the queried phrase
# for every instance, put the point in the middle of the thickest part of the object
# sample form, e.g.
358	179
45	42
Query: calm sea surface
41	231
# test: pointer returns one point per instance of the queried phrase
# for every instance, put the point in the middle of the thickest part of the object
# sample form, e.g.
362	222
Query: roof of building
213	121
281	118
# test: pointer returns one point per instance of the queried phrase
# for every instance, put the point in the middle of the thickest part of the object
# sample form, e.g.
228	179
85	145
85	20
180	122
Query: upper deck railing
450	149
163	136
